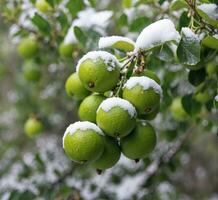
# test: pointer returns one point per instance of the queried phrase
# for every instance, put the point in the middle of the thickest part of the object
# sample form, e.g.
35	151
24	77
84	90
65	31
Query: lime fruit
116	117
99	71
143	92
74	87
177	110
43	6
110	156
83	142
33	127
140	142
89	106
31	71
65	50
149	74
203	97
27	48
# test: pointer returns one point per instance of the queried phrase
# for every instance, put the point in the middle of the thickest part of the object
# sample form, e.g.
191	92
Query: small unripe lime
33	127
116	117
43	6
83	142
177	110
99	71
74	87
66	50
89	106
27	48
110	156
31	71
203	97
149	74
211	69
143	92
140	142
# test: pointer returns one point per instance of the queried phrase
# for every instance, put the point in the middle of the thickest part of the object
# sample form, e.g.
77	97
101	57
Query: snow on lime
83	126
112	102
143	81
156	34
210	9
109	59
111	40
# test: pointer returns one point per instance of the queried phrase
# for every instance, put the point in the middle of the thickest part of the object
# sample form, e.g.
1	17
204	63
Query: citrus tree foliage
172	43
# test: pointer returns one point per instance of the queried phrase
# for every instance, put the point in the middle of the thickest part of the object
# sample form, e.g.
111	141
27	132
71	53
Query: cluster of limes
111	123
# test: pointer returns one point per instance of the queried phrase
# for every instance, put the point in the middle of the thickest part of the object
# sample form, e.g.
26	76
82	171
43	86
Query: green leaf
75	6
81	37
184	20
138	24
164	53
188	51
196	77
178	4
209	12
190	105
210	42
41	23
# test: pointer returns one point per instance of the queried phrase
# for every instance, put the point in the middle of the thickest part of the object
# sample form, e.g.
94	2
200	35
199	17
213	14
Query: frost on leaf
188	51
118	42
209	12
157	34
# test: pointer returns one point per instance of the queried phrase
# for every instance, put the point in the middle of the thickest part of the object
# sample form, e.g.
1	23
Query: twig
154	167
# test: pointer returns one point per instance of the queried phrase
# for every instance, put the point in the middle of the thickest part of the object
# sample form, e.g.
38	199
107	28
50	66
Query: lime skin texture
65	50
145	101
89	106
110	156
74	87
116	122
31	71
150	116
83	145
140	142
27	48
33	127
177	110
96	77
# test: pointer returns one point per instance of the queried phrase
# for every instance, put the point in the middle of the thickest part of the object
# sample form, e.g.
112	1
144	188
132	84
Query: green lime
43	6
33	127
143	92
152	115
27	48
149	74
66	50
89	106
116	117
203	97
83	142
110	156
140	142
177	110
31	71
99	71
74	87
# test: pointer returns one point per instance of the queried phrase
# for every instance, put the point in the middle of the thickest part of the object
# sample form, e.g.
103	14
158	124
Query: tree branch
166	157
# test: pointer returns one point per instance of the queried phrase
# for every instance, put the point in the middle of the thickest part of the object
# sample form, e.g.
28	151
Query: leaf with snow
117	42
209	12
188	51
157	34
